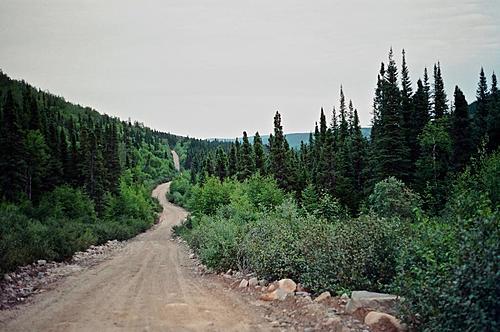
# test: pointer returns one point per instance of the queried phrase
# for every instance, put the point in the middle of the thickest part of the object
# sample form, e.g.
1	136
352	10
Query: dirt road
177	164
148	286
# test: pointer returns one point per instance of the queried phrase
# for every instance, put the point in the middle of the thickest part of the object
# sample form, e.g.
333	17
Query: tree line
419	137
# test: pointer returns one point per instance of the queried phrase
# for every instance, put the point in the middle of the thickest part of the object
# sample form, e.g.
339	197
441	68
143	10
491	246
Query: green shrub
391	198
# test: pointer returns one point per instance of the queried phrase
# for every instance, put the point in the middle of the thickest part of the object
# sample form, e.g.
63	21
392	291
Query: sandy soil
148	286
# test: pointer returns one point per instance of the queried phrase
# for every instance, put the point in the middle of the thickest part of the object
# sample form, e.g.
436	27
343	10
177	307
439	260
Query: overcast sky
216	68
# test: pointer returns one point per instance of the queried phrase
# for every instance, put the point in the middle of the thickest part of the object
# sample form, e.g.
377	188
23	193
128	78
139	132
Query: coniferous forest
413	210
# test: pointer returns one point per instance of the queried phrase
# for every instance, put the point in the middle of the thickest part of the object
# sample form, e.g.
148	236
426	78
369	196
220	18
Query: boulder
253	282
382	322
322	297
288	285
278	294
41	262
372	301
243	283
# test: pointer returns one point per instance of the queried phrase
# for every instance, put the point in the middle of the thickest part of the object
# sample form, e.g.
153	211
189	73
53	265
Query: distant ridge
293	139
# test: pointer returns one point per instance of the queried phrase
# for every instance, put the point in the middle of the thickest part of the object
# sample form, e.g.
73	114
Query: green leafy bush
391	198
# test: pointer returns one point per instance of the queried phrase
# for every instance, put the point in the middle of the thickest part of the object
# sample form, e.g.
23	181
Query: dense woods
413	210
70	177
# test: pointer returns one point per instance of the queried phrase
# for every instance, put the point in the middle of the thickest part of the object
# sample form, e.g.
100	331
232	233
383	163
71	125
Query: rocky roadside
16	287
290	307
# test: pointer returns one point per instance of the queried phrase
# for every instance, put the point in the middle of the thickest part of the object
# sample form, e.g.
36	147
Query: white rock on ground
370	300
288	285
252	282
323	296
243	283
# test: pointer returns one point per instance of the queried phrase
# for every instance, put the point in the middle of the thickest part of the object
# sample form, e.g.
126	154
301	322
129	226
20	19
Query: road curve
148	286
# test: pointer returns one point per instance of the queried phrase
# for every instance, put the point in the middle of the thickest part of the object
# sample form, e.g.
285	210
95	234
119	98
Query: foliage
391	198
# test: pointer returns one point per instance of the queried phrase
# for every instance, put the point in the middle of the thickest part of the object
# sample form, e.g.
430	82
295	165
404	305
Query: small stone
302	294
7	277
41	262
278	294
271	287
344	296
263	282
253	282
40	275
322	297
191	256
333	321
243	283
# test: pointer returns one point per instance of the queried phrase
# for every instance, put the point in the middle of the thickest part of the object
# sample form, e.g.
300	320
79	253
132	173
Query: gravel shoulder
150	284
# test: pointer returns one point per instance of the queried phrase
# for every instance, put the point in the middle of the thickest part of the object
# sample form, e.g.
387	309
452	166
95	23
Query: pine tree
407	110
247	162
258	150
418	119
481	116
232	167
278	154
357	149
494	115
390	150
460	132
220	164
113	167
440	99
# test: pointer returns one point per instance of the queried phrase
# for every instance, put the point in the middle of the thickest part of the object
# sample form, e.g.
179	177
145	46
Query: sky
213	68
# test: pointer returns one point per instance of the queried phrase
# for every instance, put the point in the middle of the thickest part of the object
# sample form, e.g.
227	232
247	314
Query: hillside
293	139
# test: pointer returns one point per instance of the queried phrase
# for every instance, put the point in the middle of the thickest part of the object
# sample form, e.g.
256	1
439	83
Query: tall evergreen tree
440	99
390	150
460	132
278	154
494	115
232	167
481	117
220	164
418	119
258	151
247	162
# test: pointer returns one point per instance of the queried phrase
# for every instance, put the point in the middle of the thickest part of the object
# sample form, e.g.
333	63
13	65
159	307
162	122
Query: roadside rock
371	301
278	294
381	322
288	285
243	283
322	297
253	282
41	262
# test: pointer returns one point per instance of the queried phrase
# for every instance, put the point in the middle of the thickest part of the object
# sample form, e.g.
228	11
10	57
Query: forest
71	177
413	210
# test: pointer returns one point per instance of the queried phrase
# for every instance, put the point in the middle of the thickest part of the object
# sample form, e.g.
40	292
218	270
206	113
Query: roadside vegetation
412	211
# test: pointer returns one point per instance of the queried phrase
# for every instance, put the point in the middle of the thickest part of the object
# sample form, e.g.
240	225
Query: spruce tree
258	150
480	128
278	154
232	167
247	162
220	164
460	132
419	118
494	115
390	151
440	99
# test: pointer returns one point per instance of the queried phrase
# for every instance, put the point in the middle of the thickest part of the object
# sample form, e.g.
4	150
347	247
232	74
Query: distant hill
293	139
